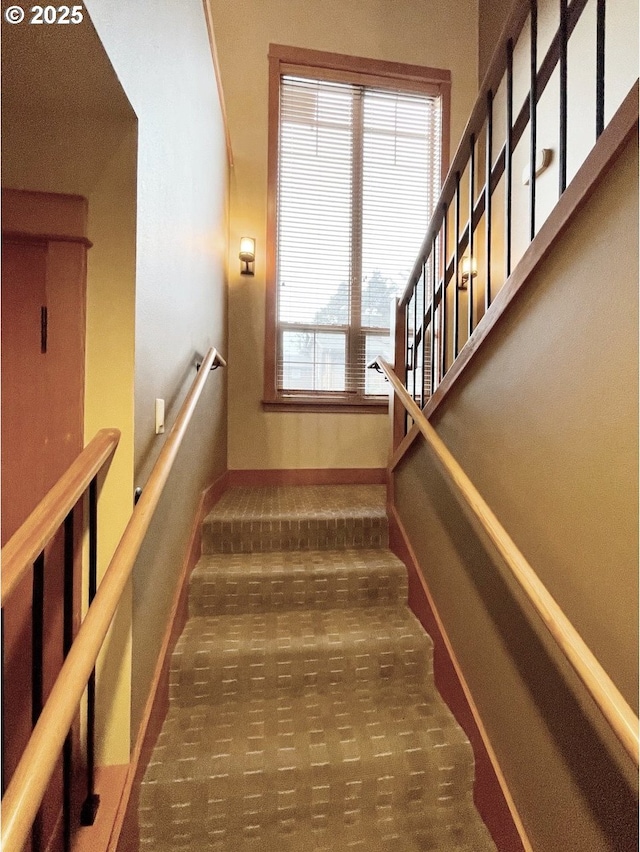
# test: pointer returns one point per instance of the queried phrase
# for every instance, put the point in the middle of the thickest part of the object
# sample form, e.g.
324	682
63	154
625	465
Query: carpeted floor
303	714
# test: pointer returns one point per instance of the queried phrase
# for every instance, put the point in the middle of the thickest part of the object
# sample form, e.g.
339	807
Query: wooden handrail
29	782
31	538
602	689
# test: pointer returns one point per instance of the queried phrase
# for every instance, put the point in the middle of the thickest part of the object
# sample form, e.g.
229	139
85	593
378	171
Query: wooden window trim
341	68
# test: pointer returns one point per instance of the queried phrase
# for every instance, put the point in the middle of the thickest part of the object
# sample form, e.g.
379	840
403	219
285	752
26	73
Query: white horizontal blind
359	173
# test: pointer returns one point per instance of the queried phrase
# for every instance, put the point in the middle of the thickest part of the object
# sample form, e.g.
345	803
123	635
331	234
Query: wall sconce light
468	269
247	255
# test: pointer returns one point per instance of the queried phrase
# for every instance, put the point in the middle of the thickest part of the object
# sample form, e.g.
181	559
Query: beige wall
491	18
109	402
406	30
545	422
161	53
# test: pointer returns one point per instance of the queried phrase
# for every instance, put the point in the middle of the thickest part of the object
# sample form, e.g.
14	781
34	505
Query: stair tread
354	750
403	830
347	724
298	562
282	629
284	502
259	582
264	652
288	518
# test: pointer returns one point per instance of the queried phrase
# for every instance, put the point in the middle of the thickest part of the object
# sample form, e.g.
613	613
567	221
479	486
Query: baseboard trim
211	495
110	783
491	793
310	476
124	835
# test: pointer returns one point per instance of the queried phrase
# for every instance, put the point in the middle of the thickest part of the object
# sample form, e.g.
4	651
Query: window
355	166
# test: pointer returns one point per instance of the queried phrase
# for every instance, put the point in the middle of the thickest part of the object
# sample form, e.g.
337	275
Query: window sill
313	405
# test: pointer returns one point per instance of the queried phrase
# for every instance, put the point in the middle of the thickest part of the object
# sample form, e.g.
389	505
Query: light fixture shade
247	249
469	268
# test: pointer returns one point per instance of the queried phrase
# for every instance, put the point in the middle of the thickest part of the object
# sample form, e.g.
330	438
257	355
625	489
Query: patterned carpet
303	714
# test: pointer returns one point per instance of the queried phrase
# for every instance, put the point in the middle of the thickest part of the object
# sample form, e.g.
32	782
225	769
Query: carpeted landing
303	714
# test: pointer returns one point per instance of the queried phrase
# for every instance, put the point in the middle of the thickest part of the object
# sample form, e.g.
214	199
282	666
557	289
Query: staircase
303	714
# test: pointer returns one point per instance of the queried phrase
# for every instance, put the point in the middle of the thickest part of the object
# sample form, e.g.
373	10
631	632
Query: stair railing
21	802
24	552
453	282
602	689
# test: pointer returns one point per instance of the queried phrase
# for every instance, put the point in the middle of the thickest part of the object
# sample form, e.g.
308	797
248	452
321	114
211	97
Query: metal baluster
564	36
508	156
407	362
432	337
456	265
472	192
533	110
414	348
92	801
487	199
67	639
443	298
600	22
424	331
37	667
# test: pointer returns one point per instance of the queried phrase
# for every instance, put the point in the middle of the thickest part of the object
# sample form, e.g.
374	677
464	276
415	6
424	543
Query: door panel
42	432
24	293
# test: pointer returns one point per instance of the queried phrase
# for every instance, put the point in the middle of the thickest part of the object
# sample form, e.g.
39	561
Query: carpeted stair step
387	830
228	584
266	653
341	755
314	517
303	716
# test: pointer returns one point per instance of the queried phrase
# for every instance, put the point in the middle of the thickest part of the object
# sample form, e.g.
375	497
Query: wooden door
43	329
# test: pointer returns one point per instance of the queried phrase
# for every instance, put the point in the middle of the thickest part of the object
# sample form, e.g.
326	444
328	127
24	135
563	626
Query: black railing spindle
37	669
456	268
424	333
508	156
487	199
92	801
443	300
432	337
533	113
37	639
472	195
407	362
562	154
600	25
414	363
67	639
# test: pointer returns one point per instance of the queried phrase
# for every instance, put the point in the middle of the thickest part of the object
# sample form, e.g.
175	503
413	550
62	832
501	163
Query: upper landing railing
492	203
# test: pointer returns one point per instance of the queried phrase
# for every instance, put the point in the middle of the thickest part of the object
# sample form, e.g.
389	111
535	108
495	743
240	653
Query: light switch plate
159	416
